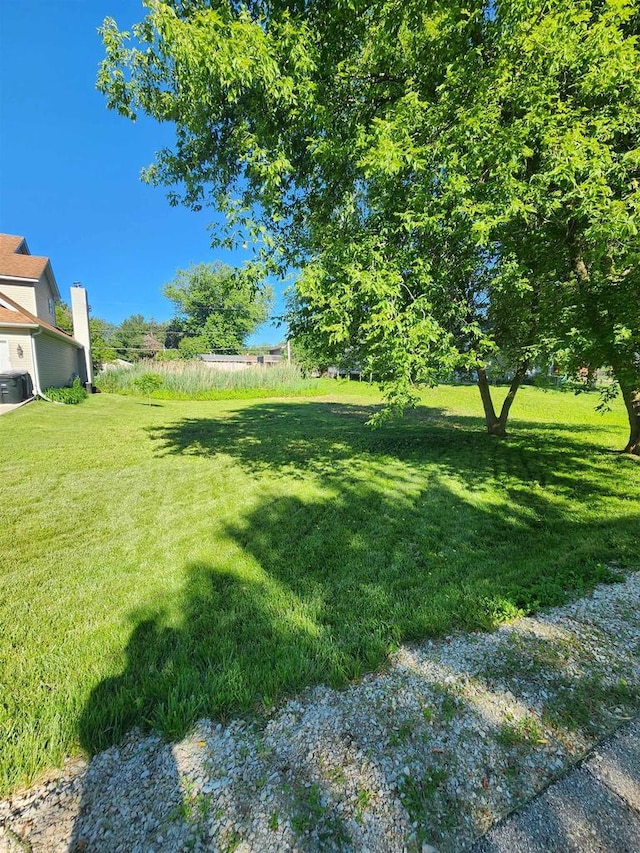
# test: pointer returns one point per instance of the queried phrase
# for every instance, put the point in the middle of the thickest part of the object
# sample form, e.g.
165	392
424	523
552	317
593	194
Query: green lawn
162	563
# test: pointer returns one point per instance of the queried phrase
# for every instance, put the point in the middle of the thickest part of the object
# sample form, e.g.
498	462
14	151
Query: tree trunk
513	390
487	403
627	376
631	397
498	425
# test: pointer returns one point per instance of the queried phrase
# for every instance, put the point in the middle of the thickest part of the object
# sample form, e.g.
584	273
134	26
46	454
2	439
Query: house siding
15	340
23	294
58	362
44	295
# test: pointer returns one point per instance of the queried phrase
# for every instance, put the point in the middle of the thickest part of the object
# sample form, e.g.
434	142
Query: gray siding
44	300
58	361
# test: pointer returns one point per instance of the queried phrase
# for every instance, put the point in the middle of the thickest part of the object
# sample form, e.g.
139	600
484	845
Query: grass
521	732
194	380
583	703
418	794
163	563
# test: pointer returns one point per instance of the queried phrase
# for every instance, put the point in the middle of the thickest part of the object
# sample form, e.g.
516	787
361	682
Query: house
30	342
216	361
275	355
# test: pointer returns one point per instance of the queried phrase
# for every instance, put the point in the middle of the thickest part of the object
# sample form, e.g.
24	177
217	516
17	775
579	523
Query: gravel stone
424	756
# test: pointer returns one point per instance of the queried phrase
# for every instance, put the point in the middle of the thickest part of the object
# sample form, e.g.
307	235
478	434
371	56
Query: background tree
99	331
191	346
64	320
102	352
454	179
216	308
137	337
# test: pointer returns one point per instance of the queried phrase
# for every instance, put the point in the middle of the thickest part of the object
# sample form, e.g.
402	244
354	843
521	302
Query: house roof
17	262
11	243
229	358
12	314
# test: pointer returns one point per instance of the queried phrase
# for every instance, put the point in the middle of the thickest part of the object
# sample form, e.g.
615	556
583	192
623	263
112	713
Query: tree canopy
137	337
453	179
216	309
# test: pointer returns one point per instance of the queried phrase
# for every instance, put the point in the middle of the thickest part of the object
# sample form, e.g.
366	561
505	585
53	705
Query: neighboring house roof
12	314
238	358
17	263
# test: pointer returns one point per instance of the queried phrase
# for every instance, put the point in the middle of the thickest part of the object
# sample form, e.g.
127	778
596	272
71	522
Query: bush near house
71	395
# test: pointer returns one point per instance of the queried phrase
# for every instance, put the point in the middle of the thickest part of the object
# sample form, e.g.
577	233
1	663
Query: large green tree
455	180
216	308
564	113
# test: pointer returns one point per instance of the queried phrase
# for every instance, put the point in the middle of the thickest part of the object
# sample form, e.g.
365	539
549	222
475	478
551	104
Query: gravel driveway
428	753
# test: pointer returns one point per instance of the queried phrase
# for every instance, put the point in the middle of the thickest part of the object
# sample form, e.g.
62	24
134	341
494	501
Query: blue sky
70	168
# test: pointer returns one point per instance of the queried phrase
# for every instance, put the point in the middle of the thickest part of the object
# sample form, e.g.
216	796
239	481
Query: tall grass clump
195	380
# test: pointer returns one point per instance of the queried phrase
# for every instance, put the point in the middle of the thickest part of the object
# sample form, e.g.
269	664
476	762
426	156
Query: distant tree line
214	311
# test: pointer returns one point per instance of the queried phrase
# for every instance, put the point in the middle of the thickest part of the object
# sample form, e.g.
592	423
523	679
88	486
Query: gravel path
427	754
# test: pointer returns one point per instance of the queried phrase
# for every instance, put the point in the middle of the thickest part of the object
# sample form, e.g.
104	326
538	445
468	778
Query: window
52	307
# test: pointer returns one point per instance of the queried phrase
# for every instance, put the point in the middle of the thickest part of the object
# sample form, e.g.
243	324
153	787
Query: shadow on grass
419	529
301	438
408	542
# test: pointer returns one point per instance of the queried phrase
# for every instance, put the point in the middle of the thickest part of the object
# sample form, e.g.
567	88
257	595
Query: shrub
167	355
146	383
72	395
